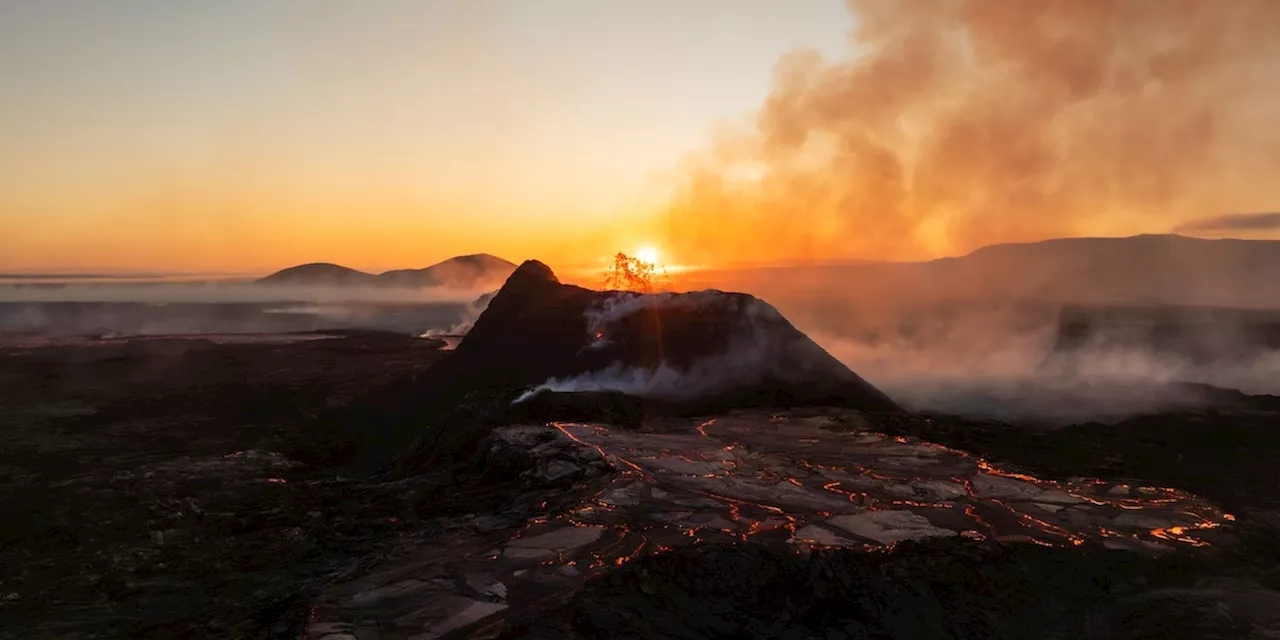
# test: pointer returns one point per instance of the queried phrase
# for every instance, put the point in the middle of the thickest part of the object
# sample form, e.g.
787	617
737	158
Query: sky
244	136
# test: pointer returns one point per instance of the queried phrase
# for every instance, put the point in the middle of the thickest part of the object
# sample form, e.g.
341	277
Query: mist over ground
225	292
123	309
1051	333
1038	360
1061	330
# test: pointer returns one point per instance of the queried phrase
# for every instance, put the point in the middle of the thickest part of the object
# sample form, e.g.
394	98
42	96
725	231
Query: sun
647	255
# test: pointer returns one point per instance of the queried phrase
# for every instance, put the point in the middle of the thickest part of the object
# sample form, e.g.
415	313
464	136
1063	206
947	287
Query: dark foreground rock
807	524
593	465
1227	450
172	487
177	488
952	588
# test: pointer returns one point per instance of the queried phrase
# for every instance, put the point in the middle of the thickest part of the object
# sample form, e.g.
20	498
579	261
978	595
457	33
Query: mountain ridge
1148	269
1163	268
465	271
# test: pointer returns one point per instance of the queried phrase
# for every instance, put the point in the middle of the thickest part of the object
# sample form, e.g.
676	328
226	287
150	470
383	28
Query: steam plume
966	122
469	316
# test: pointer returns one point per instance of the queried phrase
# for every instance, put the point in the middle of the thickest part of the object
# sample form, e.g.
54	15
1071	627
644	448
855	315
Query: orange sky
248	136
240	136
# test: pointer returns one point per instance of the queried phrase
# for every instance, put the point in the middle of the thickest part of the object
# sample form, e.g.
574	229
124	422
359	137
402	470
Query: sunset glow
246	137
647	255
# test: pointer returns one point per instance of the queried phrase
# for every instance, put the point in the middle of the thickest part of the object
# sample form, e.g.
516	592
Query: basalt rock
541	457
951	588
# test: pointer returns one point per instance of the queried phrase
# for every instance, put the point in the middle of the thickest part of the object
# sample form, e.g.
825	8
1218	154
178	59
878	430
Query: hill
318	274
475	271
479	270
1144	269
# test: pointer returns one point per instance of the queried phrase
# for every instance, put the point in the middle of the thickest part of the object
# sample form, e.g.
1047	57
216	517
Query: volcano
690	349
543	343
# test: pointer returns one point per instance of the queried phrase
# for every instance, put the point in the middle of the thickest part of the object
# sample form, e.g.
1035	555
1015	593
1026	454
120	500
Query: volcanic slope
469	271
667	353
704	344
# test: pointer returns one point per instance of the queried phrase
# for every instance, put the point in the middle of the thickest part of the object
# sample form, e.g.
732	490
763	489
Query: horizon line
80	272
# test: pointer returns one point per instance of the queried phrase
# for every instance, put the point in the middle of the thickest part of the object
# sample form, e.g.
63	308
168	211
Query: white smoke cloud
996	363
470	314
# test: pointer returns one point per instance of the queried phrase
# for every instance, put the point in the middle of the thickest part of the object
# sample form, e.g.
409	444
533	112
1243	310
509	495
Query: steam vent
702	348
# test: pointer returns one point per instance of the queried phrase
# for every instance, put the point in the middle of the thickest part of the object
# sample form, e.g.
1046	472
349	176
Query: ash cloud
1232	222
958	123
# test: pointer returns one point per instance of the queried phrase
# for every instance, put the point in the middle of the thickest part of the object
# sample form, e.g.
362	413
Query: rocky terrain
589	465
793	481
162	487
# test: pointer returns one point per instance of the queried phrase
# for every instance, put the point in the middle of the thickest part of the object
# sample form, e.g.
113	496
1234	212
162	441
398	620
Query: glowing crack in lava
790	479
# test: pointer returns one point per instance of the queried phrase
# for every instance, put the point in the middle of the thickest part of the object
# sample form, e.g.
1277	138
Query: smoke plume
958	123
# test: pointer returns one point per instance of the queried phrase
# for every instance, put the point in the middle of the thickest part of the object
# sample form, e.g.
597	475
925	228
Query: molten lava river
795	480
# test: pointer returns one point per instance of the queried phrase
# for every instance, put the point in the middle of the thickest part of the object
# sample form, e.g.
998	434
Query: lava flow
787	478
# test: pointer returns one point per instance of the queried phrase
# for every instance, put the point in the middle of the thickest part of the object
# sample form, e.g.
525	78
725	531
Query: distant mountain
1164	269
1144	269
479	270
473	271
318	274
